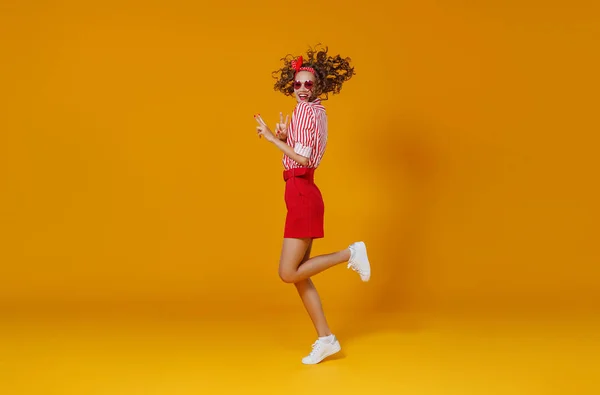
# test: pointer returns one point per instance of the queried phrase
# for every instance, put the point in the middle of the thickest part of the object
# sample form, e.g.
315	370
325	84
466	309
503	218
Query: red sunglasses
307	84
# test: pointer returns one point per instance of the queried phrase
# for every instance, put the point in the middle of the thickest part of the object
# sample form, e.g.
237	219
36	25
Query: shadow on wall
407	173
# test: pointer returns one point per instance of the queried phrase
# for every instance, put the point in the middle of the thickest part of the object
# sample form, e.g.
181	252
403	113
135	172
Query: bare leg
292	271
312	302
296	266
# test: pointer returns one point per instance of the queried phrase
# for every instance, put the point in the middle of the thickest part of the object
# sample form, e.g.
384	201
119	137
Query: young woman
303	145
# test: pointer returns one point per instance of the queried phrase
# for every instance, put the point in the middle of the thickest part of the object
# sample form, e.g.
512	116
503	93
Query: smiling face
304	85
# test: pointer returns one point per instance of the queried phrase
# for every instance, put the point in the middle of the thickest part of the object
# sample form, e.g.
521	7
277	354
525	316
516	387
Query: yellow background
463	152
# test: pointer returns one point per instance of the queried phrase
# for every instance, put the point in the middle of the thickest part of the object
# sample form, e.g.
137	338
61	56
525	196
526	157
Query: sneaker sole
364	248
336	348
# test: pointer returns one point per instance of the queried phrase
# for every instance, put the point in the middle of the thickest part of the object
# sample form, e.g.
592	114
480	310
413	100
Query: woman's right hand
281	128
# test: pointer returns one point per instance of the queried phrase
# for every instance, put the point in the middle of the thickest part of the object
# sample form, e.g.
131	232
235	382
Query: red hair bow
297	63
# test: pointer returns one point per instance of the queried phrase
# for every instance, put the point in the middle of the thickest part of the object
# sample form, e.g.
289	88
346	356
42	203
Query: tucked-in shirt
307	134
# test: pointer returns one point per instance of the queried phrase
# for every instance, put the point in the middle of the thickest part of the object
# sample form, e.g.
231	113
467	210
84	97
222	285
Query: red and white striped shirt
307	134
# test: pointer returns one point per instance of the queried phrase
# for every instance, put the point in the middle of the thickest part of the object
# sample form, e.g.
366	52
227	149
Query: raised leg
292	267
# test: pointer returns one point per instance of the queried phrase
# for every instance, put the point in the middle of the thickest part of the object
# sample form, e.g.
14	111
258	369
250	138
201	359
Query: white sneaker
359	261
322	349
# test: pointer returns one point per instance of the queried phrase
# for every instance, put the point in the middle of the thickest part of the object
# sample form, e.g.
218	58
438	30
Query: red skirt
305	207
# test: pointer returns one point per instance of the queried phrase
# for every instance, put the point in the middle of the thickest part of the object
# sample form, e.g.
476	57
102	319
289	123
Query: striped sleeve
306	130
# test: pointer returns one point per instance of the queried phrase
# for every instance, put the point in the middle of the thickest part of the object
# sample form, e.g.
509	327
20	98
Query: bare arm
263	130
289	151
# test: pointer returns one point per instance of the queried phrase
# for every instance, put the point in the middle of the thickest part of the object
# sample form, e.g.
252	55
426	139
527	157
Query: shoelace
356	269
315	348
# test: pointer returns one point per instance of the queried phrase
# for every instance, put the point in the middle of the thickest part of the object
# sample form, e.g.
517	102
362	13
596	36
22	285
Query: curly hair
331	73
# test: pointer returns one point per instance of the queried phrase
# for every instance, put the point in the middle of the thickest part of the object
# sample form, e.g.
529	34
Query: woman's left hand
263	130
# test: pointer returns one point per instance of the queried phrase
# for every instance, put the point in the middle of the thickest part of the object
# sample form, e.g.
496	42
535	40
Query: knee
287	277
